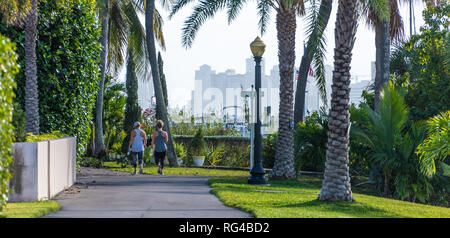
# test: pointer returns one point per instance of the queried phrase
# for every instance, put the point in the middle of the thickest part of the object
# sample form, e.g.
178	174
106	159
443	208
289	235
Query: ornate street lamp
257	173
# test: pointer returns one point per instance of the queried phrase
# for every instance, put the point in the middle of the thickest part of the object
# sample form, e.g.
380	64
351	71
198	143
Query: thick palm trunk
31	86
99	148
160	104
336	184
382	43
305	64
284	157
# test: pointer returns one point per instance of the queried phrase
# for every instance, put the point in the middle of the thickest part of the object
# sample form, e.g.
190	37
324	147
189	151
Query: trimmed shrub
8	70
43	137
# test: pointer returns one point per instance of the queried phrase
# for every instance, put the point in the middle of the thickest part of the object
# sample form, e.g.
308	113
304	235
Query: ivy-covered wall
68	52
8	69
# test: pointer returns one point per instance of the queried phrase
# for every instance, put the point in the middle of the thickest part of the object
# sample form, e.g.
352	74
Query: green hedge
8	70
68	54
235	150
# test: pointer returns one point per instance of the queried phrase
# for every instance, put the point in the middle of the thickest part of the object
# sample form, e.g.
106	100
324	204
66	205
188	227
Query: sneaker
162	173
159	170
135	172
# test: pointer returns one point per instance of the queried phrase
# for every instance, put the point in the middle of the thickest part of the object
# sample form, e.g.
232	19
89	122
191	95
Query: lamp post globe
257	173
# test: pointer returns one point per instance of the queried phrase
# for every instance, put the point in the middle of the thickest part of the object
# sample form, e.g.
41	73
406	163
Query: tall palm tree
160	103
313	53
286	27
336	183
386	30
120	27
31	86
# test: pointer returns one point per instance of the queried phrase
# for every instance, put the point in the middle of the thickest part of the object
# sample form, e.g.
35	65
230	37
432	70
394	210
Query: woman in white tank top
138	143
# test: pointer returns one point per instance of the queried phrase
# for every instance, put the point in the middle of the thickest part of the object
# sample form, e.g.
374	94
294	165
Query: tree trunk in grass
31	85
336	183
160	104
284	157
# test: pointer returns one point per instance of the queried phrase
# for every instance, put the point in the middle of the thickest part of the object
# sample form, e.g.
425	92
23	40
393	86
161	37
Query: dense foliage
310	138
114	100
436	147
269	146
211	129
8	70
197	145
68	53
422	65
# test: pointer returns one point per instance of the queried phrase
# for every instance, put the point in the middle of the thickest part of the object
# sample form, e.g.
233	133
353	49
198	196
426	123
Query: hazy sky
224	46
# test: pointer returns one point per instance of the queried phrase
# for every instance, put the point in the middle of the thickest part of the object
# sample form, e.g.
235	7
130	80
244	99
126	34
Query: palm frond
264	9
375	11
234	7
204	10
395	21
317	22
177	6
436	147
117	37
137	41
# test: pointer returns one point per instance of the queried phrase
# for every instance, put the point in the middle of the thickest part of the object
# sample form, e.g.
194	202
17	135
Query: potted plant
197	147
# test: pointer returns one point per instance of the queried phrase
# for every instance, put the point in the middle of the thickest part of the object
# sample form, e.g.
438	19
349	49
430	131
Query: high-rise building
145	93
220	93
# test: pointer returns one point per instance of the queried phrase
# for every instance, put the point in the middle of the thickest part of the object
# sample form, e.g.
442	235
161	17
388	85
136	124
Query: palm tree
386	30
120	27
336	183
31	86
286	27
160	101
313	53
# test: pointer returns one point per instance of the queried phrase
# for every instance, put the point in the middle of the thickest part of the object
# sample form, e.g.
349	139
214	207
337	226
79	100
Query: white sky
224	46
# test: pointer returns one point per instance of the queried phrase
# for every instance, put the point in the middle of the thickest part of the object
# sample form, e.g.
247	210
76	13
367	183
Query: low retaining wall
40	170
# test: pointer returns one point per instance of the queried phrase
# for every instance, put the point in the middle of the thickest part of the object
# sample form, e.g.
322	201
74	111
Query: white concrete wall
42	169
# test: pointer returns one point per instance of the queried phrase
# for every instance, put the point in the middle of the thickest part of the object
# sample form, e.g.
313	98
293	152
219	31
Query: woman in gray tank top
159	140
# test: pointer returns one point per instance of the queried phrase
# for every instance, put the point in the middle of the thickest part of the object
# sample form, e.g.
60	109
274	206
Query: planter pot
198	160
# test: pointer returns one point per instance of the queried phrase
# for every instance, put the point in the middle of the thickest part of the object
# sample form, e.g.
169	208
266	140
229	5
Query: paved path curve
103	194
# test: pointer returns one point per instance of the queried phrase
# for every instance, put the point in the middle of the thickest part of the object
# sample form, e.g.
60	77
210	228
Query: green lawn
29	210
298	199
181	171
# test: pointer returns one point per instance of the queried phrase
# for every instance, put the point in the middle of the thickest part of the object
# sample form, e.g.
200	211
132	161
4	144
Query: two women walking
138	142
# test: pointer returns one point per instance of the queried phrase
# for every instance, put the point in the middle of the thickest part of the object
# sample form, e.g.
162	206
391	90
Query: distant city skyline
224	47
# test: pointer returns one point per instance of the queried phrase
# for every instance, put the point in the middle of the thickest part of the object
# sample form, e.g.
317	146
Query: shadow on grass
306	192
353	209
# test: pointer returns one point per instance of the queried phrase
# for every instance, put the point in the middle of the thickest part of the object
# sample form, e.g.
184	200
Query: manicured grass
181	171
29	210
297	199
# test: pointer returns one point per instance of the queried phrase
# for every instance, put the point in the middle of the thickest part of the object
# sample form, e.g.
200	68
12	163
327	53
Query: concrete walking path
107	194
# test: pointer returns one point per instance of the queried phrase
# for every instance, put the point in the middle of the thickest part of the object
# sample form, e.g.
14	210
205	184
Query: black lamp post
257	174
